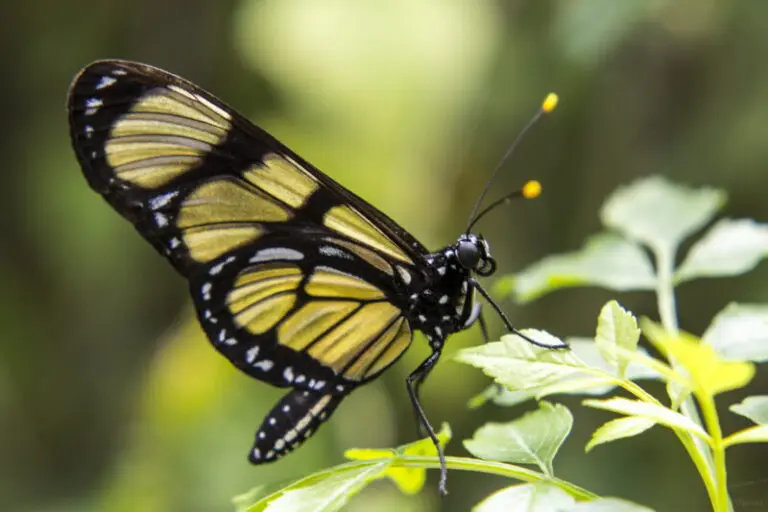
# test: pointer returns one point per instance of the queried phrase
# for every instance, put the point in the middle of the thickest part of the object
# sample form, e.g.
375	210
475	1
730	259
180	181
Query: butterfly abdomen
292	421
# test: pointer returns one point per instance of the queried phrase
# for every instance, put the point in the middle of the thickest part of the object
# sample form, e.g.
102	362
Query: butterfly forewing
197	179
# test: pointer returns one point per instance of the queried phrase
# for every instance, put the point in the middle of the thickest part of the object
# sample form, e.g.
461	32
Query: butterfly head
474	254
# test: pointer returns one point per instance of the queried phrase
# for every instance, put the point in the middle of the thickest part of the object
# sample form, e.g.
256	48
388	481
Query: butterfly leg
413	382
474	284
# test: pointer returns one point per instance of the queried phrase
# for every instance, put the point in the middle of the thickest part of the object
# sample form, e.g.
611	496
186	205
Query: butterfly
297	281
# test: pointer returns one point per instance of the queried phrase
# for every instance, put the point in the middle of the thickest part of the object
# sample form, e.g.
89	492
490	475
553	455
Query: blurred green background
111	399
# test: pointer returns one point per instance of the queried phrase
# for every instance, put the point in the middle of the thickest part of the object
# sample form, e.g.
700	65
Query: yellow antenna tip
550	102
531	190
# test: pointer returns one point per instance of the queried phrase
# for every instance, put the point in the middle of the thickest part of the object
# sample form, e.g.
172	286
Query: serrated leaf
658	213
651	411
527	498
621	428
756	434
729	248
616	327
740	333
608	505
326	491
534	438
707	371
606	260
519	365
754	408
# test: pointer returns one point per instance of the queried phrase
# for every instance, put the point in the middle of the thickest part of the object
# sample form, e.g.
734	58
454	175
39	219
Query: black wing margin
197	179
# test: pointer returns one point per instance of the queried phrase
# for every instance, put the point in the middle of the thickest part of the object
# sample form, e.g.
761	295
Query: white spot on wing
288	374
251	353
264	365
106	81
206	289
279	444
119	72
162	200
276	253
443	299
329	250
92	105
161	220
216	269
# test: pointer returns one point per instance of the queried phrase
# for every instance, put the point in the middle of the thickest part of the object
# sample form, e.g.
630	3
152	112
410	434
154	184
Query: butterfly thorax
446	303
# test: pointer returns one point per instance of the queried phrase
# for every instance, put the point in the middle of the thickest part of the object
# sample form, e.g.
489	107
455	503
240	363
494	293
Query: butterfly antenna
547	106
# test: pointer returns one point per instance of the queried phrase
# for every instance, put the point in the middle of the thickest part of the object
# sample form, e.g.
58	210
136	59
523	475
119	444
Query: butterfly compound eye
468	254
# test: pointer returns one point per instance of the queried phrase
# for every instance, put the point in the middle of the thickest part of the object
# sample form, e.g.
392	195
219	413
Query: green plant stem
495	468
700	453
665	289
709	411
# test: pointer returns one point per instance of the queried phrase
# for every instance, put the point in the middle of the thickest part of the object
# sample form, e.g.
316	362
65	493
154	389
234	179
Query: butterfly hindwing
308	313
197	179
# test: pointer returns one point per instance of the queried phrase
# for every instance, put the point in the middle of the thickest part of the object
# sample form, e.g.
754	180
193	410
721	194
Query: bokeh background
110	397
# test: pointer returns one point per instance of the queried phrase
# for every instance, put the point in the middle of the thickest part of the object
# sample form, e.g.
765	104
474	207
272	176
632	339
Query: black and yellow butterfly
296	280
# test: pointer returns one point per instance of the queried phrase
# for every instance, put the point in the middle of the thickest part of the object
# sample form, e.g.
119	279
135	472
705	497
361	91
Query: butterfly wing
233	209
198	180
306	312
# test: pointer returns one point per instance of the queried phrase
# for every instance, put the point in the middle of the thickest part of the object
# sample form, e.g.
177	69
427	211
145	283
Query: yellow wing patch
260	299
222	215
206	243
367	255
351	223
350	340
311	321
165	134
345	324
283	179
382	352
329	282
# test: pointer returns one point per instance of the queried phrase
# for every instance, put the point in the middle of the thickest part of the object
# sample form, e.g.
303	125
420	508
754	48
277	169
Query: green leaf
606	260
754	408
708	372
589	353
729	248
756	434
658	213
740	333
527	498
410	480
326	491
520	365
499	396
534	438
619	429
616	327
608	505
657	413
